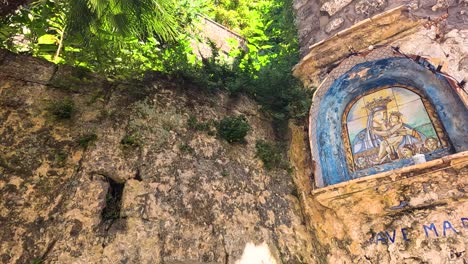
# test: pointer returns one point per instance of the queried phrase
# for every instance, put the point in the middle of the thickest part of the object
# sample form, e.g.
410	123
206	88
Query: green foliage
124	39
61	157
194	124
224	173
270	154
130	141
63	109
233	129
86	140
264	70
112	209
4	163
113	201
36	261
111	37
186	148
124	17
242	16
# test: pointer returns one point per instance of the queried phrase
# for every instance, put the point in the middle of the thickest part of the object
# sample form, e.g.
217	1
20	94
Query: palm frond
140	19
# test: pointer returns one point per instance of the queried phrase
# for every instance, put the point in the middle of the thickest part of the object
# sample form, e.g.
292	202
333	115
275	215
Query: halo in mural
390	124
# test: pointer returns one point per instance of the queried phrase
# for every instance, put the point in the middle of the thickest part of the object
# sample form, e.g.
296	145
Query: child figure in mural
387	134
394	134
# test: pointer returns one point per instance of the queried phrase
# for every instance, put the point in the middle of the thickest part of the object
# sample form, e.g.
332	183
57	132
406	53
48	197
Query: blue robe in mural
365	139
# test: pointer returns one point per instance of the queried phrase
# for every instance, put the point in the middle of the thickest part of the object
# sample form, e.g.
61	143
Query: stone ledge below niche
455	161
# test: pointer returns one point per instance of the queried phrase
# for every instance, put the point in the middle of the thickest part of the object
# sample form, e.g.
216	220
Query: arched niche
335	154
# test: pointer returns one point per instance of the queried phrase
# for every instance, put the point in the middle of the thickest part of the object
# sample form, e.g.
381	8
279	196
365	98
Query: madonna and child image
389	125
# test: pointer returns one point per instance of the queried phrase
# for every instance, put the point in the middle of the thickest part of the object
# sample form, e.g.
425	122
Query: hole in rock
138	175
113	200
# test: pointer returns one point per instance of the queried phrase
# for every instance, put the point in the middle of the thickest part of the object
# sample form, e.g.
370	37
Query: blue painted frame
395	71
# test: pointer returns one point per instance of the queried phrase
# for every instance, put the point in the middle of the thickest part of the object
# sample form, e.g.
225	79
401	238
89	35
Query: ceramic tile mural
380	115
389	125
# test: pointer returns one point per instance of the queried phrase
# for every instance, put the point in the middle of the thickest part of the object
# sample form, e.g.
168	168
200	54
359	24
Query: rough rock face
334	24
333	6
309	14
127	179
451	51
445	43
369	7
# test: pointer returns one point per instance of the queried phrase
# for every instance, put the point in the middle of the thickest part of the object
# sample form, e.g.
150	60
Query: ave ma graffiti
430	230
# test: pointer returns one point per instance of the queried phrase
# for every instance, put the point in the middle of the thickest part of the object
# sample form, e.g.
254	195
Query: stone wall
128	179
153	189
320	19
415	214
222	37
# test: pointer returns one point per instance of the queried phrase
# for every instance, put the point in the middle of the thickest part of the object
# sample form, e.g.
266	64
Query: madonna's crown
378	103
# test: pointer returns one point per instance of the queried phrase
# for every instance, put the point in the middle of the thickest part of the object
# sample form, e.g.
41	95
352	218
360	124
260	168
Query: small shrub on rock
233	129
60	158
196	125
129	141
86	140
36	261
185	148
270	154
63	109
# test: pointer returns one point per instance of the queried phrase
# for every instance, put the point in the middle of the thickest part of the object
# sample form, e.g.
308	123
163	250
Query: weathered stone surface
413	203
298	4
451	53
218	35
313	26
355	11
443	4
26	67
77	80
186	196
334	6
3	53
447	45
369	7
385	28
463	64
334	24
